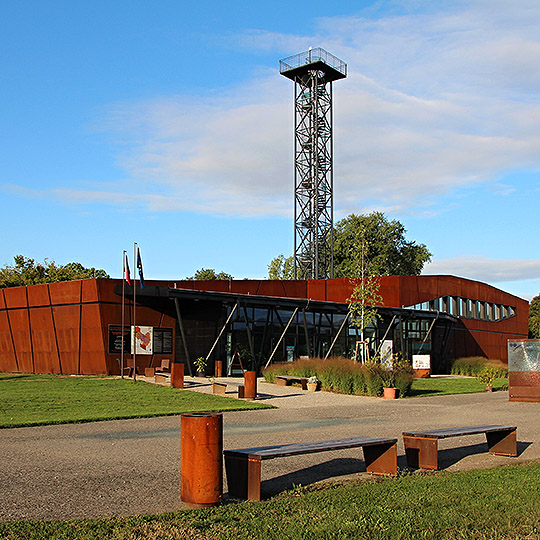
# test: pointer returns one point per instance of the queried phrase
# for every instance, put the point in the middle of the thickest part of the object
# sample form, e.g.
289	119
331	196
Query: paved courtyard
126	467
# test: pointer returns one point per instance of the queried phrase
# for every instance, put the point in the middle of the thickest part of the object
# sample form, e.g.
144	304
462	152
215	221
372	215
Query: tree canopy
534	318
209	274
281	267
27	271
388	253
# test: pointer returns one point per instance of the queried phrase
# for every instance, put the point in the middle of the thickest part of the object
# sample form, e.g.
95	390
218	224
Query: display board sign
163	341
143	337
290	353
115	339
524	355
387	349
421	361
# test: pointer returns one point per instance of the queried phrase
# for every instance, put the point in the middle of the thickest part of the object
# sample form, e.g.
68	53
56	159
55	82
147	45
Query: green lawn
498	503
436	386
30	400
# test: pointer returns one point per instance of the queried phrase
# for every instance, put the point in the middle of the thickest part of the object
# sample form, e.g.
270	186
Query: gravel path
127	467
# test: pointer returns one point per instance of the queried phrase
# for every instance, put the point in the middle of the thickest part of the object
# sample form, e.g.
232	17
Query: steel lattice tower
313	72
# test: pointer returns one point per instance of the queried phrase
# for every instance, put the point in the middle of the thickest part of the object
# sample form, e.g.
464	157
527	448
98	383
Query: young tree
27	271
365	296
534	318
209	274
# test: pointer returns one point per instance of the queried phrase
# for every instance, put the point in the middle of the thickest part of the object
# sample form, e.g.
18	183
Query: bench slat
282	450
457	431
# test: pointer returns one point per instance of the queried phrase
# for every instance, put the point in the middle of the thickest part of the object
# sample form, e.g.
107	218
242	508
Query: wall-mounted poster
421	361
143	337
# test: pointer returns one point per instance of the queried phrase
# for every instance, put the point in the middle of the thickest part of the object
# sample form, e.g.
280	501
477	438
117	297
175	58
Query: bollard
177	375
250	385
201	461
218	369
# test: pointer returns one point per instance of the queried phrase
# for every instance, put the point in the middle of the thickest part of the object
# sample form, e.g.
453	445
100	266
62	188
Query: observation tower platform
300	65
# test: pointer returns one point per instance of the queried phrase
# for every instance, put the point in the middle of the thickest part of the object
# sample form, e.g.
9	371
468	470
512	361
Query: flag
127	276
139	267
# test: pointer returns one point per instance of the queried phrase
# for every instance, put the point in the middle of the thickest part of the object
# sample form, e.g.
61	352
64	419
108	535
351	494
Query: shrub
487	375
473	366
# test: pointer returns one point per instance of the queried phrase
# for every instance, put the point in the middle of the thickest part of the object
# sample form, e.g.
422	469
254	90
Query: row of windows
467	308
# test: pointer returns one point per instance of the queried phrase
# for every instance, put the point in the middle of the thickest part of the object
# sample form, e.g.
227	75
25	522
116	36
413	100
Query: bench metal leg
243	477
502	443
381	459
421	452
281	382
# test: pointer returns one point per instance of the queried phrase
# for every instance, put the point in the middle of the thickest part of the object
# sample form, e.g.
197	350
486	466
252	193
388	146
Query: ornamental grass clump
336	374
342	375
472	366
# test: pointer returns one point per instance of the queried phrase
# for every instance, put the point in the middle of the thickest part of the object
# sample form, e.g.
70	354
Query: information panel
421	361
163	341
115	339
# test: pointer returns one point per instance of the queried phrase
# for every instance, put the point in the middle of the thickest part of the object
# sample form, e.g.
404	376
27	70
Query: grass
435	386
474	365
31	400
502	502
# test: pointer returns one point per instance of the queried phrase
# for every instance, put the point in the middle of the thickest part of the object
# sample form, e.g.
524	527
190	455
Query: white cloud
486	269
436	98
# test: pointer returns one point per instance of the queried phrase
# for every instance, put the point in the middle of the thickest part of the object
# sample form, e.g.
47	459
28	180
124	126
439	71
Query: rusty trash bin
201	459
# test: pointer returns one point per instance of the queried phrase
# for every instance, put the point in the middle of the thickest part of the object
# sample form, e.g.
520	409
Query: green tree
388	252
281	267
209	274
27	271
534	318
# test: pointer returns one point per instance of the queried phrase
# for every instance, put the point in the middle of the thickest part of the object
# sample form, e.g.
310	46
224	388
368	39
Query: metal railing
311	56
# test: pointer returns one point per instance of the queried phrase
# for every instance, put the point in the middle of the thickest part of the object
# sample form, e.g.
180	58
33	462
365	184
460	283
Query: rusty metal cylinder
177	375
218	370
250	385
201	459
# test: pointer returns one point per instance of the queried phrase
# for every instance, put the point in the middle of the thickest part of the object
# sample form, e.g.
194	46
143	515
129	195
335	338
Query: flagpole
134	320
124	252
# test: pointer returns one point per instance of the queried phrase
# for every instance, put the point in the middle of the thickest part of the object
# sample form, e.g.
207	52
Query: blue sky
167	123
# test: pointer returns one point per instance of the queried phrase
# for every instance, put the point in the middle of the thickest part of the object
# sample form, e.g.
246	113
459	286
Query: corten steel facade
67	327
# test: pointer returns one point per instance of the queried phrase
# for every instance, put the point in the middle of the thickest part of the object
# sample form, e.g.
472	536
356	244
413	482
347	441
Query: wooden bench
221	388
284	380
421	447
243	466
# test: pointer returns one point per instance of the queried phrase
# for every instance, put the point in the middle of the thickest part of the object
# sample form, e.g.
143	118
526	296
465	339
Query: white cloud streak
436	98
486	269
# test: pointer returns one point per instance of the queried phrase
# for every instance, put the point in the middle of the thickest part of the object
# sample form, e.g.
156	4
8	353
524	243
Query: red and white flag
127	276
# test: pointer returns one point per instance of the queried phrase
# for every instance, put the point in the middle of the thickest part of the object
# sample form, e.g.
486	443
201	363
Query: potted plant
486	377
200	365
396	377
312	383
388	376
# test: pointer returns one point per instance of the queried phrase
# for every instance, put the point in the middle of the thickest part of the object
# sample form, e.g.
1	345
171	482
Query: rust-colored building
75	327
